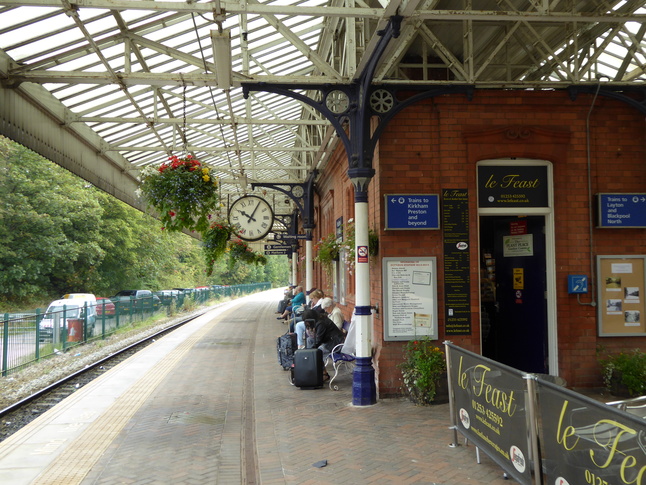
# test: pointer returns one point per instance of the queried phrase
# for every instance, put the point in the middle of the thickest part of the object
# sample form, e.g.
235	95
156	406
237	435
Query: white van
89	297
59	312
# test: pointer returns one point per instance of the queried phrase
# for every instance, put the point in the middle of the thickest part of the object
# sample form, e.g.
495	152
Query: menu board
621	284
410	298
457	278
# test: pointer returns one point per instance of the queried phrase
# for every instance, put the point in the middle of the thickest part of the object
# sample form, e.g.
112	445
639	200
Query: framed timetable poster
621	283
410	298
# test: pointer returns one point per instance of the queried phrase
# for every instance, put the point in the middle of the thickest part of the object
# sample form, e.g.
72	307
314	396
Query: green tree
48	226
59	234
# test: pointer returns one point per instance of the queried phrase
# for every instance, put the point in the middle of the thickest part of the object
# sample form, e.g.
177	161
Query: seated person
324	334
333	312
287	299
299	299
315	300
299	325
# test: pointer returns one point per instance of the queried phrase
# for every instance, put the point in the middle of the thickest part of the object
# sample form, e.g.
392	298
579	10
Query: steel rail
33	397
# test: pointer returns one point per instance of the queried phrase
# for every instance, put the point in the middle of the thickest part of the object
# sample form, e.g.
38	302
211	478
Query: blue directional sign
282	236
276	247
417	211
277	252
622	210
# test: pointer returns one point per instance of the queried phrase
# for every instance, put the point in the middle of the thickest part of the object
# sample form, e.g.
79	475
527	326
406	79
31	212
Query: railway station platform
209	404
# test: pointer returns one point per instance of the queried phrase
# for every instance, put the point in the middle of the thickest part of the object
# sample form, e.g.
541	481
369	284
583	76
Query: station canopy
159	78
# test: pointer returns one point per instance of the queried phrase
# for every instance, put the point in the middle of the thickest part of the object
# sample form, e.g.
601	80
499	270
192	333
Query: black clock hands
251	218
246	215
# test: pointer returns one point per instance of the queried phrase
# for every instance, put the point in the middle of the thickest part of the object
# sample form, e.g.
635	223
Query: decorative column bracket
290	221
286	220
350	107
632	96
303	196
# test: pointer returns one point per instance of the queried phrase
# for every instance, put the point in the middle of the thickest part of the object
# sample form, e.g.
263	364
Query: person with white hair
334	313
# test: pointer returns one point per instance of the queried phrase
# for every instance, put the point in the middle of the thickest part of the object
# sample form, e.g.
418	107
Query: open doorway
514	310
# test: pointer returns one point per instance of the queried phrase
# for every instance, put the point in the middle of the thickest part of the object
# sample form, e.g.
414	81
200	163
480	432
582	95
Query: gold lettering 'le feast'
503	401
609	435
512	181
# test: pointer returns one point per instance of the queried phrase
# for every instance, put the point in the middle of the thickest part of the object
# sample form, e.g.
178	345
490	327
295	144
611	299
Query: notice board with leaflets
410	298
621	284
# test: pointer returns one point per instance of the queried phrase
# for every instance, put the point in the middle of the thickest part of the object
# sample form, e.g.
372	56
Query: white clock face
251	217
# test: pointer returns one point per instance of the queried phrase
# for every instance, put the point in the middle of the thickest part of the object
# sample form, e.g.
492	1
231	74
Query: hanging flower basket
327	251
183	191
240	251
348	245
214	243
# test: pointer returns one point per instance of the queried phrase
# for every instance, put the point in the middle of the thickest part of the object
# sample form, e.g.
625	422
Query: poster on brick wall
621	285
457	277
410	298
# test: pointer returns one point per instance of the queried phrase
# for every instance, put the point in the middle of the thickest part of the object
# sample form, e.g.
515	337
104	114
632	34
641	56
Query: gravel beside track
22	384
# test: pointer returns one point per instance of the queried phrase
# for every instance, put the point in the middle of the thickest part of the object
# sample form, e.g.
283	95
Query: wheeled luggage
286	346
308	368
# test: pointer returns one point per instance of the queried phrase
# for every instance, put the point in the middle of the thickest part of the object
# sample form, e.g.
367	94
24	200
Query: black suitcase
286	346
308	368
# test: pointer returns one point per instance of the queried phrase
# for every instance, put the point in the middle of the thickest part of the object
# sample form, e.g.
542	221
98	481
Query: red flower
171	213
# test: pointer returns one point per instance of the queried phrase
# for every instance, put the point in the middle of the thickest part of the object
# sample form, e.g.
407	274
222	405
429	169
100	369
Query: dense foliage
629	368
424	364
59	234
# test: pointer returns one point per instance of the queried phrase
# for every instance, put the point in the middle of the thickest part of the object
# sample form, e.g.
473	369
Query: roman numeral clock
252	217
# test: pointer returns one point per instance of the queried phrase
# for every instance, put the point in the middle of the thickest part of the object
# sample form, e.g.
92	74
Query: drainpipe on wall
592	303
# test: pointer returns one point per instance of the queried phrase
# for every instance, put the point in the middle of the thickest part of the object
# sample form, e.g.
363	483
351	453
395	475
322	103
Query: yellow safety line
82	454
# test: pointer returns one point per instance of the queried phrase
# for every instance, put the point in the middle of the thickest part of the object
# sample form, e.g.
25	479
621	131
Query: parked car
140	298
105	305
167	296
60	312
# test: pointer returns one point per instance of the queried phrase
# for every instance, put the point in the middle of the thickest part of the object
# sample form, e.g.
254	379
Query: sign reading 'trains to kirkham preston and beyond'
412	211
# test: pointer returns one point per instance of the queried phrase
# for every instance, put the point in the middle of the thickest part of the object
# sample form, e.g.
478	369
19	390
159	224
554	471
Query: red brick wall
435	145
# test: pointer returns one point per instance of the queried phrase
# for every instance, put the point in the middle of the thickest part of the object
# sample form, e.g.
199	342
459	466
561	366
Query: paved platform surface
209	404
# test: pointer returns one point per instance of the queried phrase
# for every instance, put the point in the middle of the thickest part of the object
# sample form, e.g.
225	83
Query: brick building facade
440	144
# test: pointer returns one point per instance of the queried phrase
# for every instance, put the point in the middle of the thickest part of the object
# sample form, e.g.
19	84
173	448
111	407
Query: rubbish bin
74	330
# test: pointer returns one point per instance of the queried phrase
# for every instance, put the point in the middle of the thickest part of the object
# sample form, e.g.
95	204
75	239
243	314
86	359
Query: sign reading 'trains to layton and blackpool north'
622	210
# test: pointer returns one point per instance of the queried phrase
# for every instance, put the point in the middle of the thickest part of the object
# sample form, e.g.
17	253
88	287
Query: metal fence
29	337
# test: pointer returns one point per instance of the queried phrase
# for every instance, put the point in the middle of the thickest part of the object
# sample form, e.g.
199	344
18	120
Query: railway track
21	413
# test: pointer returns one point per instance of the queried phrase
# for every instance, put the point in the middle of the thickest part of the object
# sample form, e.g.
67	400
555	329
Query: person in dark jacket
322	332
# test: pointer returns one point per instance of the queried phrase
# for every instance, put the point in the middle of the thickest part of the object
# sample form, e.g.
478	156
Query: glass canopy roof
143	75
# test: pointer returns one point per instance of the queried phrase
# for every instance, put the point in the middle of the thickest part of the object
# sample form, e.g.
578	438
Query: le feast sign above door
513	186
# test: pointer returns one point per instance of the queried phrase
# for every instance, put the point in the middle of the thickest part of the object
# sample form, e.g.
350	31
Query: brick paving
192	428
218	409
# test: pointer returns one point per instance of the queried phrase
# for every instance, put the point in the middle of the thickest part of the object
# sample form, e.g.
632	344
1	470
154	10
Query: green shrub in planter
626	369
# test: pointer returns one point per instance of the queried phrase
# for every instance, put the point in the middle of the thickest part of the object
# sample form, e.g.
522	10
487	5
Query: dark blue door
514	310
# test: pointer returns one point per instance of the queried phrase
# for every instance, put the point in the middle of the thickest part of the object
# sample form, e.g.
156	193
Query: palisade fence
25	340
538	431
